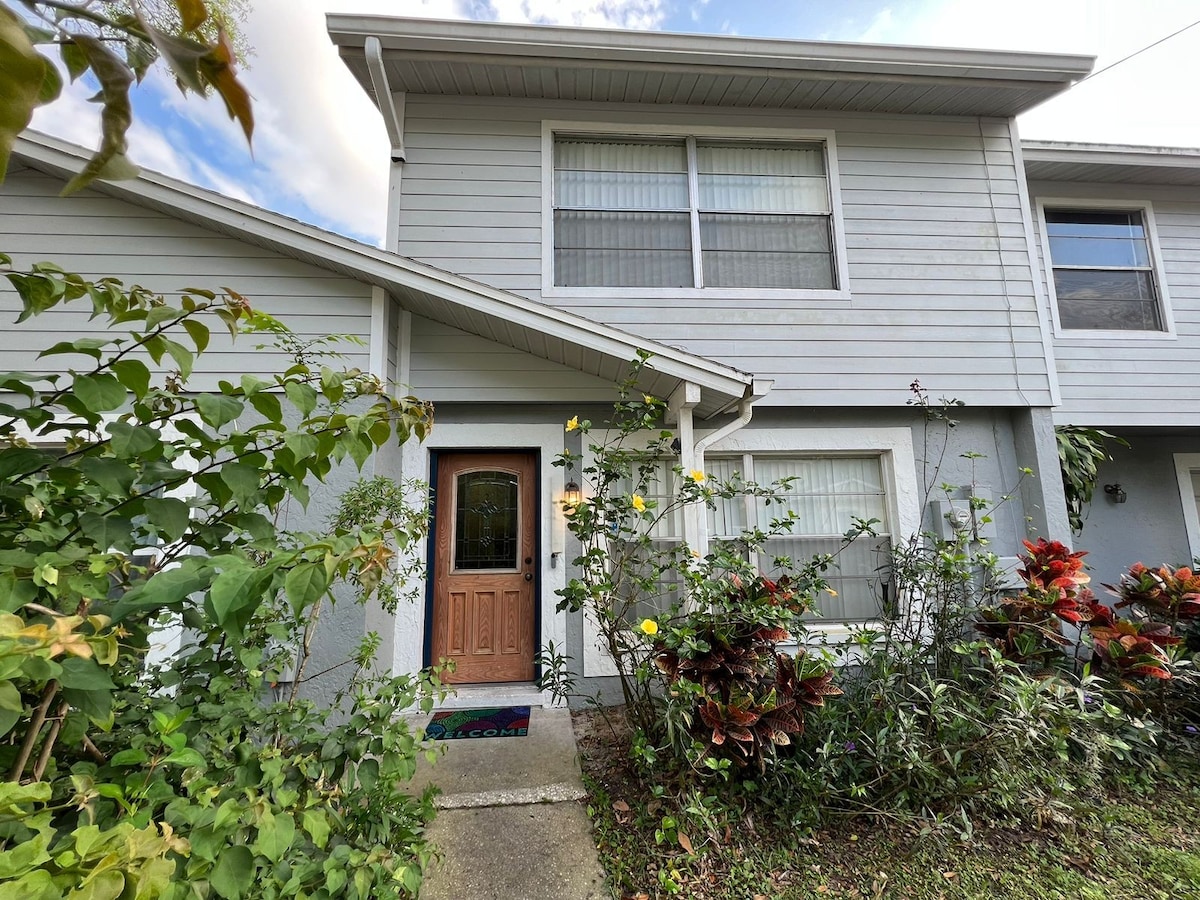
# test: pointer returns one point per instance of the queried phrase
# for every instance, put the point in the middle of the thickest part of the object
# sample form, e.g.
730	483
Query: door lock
529	576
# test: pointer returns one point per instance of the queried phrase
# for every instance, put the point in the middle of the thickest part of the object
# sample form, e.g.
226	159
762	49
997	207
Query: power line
1138	52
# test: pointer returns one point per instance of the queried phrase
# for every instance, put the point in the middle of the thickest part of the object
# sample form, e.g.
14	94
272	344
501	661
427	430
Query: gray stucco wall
1149	526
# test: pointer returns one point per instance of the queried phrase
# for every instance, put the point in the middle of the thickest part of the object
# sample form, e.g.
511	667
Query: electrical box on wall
968	514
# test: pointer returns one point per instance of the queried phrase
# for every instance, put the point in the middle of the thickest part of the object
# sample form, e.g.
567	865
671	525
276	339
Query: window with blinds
691	213
1103	270
826	494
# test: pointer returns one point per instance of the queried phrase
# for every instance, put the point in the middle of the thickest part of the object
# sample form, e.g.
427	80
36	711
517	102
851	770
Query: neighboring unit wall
98	236
1135	378
1149	527
939	270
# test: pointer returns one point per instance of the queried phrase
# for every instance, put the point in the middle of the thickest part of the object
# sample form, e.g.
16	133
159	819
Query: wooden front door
483	580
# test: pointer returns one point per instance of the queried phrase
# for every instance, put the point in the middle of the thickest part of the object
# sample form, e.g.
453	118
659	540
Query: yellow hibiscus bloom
649	626
698	476
572	423
638	503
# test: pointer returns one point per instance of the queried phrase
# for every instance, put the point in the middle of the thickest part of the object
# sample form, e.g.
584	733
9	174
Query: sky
320	152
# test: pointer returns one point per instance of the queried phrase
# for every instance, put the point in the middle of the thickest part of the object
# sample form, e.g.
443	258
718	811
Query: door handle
529	576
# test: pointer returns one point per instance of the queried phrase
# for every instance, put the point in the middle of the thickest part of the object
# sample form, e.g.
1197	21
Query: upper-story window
1103	262
691	212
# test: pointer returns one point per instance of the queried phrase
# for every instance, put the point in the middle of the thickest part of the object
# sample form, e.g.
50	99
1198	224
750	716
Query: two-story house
795	230
837	220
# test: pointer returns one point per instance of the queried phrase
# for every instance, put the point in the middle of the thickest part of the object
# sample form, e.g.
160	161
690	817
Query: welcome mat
460	724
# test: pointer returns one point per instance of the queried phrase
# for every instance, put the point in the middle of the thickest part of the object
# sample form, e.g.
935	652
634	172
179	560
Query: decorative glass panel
486	522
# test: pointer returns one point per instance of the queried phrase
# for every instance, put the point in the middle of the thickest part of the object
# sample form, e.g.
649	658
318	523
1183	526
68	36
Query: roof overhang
429	56
1055	161
470	306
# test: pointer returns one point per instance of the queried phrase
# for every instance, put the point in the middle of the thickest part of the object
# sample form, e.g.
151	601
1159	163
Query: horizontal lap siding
939	266
1139	381
98	236
449	365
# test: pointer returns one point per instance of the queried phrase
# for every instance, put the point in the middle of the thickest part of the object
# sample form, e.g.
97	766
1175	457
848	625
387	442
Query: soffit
476	308
489	60
1110	163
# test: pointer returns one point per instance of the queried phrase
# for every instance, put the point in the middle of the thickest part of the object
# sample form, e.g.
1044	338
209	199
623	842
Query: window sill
703	294
1086	335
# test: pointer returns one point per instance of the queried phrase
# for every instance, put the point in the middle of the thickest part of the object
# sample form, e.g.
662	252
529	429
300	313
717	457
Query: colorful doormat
459	724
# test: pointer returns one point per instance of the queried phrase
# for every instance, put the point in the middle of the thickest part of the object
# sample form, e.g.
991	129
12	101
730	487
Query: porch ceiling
1110	163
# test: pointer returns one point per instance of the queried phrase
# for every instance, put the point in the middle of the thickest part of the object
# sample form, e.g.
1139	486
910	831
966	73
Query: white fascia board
556	44
1111	154
378	267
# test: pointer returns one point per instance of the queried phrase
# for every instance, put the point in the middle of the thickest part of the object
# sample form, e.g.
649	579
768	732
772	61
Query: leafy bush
129	505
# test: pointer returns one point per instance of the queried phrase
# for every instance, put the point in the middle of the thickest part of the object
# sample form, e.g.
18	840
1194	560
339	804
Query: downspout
757	390
391	107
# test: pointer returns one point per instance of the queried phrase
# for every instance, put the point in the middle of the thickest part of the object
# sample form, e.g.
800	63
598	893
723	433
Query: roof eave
379	267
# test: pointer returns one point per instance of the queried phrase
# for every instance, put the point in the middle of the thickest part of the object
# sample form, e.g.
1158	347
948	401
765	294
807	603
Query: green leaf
129	440
186	757
169	515
22	75
302	444
303	397
133	374
107	531
11	707
235	589
165	590
84	674
85	346
218	410
199	333
275	835
112	475
115	77
234	872
243	482
74	58
305	584
267	405
96	705
132	757
184	358
316	823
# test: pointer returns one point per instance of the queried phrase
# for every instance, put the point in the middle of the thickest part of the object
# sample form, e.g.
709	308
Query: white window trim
1156	264
1185	463
894	446
825	136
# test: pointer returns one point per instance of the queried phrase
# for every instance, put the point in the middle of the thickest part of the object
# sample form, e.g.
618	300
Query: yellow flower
647	398
638	503
649	626
572	423
698	476
831	592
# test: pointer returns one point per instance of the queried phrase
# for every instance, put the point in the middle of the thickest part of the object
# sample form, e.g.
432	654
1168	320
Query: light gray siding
1142	379
98	236
452	366
939	264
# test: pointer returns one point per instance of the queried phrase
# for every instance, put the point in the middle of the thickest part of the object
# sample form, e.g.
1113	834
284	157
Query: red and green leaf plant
1134	649
749	697
1028	627
1164	592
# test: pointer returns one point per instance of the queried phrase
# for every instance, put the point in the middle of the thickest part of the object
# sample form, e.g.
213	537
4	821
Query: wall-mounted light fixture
1117	494
572	496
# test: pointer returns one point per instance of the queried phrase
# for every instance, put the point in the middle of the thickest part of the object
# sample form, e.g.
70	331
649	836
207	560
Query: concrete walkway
510	823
